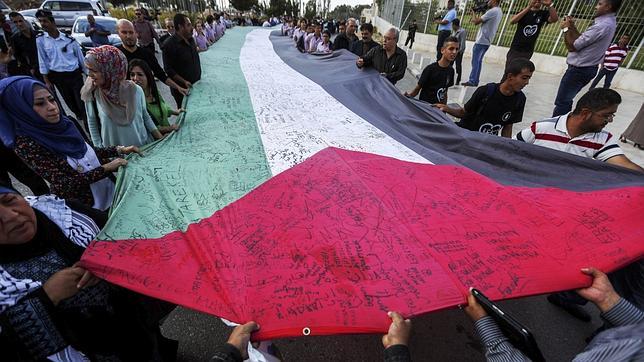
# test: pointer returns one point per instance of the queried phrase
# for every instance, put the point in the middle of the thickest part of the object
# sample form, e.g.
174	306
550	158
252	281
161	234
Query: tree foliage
347	11
243	5
310	9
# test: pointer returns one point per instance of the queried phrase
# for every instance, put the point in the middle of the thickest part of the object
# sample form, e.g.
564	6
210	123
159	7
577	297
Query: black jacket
343	41
358	47
394	67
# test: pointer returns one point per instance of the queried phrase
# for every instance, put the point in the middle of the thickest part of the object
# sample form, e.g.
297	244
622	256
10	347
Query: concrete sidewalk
540	94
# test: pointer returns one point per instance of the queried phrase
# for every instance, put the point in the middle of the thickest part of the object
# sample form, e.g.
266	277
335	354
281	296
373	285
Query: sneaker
573	309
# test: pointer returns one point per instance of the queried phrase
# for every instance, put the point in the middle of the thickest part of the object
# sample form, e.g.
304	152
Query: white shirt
553	133
62	54
103	189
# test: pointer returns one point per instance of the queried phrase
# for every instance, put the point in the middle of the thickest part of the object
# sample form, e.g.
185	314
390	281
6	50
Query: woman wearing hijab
32	124
53	308
116	108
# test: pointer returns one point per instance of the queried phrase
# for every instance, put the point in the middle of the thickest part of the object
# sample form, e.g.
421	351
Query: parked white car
65	12
29	12
81	25
5	8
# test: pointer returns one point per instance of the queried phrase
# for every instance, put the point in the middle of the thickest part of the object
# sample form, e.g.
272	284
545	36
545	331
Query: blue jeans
609	78
477	62
572	82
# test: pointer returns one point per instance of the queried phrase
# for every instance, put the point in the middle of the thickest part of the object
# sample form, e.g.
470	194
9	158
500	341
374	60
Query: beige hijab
117	96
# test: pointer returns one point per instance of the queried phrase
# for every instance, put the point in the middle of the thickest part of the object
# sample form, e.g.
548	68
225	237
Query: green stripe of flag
215	158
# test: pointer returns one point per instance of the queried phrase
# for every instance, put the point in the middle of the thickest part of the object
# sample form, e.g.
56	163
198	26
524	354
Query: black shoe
468	84
573	309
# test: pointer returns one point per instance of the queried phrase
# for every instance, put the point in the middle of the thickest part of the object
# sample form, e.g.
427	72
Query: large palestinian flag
312	197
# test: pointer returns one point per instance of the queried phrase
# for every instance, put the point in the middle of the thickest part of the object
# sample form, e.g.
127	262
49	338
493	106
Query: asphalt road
437	336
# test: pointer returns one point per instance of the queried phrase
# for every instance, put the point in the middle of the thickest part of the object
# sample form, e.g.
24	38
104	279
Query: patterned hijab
117	96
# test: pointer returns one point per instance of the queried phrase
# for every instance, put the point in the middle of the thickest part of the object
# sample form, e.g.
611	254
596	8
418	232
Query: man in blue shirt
61	63
97	32
445	27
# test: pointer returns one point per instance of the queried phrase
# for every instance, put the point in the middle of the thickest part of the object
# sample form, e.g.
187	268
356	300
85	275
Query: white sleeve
610	149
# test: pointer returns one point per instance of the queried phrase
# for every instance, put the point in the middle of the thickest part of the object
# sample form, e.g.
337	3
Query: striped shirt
615	344
614	57
553	133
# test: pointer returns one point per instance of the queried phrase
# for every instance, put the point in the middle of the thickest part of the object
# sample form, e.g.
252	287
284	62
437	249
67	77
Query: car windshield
82	25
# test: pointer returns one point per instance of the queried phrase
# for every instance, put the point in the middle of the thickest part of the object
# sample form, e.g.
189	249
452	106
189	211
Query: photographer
585	51
489	24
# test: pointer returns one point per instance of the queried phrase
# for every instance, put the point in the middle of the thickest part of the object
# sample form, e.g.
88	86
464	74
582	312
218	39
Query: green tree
310	9
243	5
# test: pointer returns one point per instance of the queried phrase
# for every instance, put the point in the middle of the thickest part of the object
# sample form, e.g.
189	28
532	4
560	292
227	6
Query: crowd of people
117	109
50	308
494	108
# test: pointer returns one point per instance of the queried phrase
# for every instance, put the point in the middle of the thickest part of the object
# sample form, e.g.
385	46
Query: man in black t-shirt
494	107
529	22
437	77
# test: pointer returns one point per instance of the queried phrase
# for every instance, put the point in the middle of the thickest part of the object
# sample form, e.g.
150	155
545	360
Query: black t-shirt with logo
489	113
434	82
528	29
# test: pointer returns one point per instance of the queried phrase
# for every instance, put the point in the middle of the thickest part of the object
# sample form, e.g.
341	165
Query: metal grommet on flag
306	331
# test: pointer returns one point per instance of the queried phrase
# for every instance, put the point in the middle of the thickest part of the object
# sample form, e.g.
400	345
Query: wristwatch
565	30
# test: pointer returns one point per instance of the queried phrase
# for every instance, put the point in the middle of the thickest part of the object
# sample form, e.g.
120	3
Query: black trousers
459	67
512	55
410	38
69	86
516	54
178	97
442	35
11	163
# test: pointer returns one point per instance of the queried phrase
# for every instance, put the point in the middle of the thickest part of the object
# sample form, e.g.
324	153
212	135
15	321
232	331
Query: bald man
388	58
126	32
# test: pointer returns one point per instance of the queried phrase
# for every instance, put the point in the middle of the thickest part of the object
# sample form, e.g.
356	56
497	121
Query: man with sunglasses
581	132
146	31
61	63
169	26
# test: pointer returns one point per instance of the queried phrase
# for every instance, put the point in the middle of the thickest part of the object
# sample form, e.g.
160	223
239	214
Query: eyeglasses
605	117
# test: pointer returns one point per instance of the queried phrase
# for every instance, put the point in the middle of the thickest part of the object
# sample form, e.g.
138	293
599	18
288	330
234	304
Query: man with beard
129	47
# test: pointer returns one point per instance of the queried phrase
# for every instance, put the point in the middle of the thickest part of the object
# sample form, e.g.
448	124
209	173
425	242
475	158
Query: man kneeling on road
495	107
581	132
388	58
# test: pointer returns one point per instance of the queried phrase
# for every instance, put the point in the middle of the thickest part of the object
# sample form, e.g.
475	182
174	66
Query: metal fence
630	20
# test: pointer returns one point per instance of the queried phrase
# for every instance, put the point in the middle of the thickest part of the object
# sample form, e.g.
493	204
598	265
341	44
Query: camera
480	6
